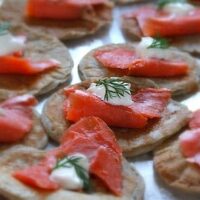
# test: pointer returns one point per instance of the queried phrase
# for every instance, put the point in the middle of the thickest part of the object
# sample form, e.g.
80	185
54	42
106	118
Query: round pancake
173	168
38	47
189	43
36	138
133	185
13	10
89	68
132	141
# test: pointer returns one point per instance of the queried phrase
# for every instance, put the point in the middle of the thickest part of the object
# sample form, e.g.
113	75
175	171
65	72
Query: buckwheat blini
166	19
161	65
133	141
42	61
82	17
38	172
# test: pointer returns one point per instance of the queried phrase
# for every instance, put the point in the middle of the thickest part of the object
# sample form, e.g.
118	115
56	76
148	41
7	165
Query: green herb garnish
4	28
73	161
114	87
162	3
159	43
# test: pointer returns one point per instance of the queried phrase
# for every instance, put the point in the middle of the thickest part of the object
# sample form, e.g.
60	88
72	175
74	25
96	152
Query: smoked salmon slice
148	103
105	165
82	104
80	139
151	102
60	10
16	118
24	100
93	128
37	177
154	22
126	62
190	145
18	65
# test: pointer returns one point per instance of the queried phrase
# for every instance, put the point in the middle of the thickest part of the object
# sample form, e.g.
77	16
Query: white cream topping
170	53
100	92
67	178
178	8
10	44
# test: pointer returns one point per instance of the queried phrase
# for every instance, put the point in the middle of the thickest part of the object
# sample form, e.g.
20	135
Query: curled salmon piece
60	10
190	146
82	104
147	104
18	65
91	137
154	22
126	62
16	118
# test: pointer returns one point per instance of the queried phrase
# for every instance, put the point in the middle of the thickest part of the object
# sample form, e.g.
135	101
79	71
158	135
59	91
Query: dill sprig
114	87
4	28
162	3
73	161
159	43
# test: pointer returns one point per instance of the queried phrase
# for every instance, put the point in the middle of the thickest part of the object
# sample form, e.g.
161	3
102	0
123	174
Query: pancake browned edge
189	43
36	138
89	68
173	168
132	141
38	47
13	10
21	157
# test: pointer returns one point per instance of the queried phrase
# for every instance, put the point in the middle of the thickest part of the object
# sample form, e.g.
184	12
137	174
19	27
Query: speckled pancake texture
21	157
89	68
14	10
132	141
173	168
38	47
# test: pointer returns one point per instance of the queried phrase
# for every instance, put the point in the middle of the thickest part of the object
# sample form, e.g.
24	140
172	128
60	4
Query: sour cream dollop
67	178
100	92
11	44
170	53
178	8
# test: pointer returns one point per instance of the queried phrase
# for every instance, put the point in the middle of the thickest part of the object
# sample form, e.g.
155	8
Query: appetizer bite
140	115
179	20
87	165
20	124
63	19
178	161
152	58
30	62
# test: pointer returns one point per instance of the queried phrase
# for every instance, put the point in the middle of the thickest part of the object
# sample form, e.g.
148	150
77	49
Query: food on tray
88	164
151	58
31	62
140	115
178	161
178	20
64	19
20	124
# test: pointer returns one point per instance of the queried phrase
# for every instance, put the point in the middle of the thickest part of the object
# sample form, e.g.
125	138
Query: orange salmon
91	137
125	61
